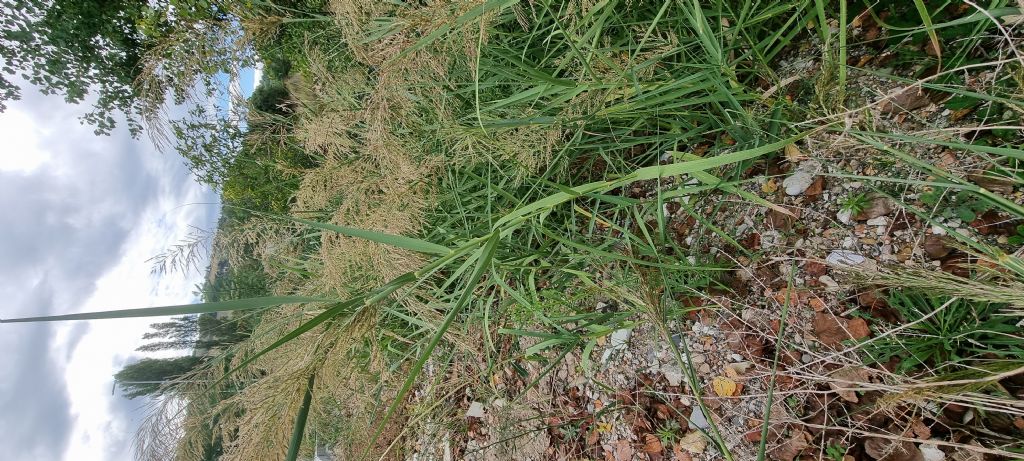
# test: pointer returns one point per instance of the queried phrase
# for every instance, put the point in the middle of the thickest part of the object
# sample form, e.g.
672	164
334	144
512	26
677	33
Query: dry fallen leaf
679	455
910	98
793	153
831	330
693	442
920	429
623	451
652	444
723	387
892	450
791	448
845	378
770	186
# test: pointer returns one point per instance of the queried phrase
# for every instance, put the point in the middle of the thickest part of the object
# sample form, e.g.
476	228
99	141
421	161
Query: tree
204	331
79	47
179	333
209	142
146	377
72	48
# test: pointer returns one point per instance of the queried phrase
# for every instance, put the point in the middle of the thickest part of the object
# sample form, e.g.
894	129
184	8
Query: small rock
845	216
801	179
476	410
844	258
697	419
877	221
938	230
829	282
618	341
704	368
806	358
798	182
931	452
698	358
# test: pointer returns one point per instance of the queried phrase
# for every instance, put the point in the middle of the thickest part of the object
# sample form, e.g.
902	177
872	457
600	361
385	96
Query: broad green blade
399	241
309	325
651	172
300	423
184	309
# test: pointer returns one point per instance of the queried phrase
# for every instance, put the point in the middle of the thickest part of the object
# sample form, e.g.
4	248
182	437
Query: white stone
618	340
844	258
931	452
697	419
476	410
798	182
879	221
829	282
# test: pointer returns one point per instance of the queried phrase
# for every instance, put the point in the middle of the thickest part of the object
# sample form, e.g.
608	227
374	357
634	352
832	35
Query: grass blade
482	265
300	423
399	241
183	309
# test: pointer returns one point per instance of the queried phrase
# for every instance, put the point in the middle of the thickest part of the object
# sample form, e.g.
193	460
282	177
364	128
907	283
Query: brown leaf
920	429
879	205
816	187
858	328
845	378
746	344
815	268
910	98
831	330
623	451
652	444
935	246
791	448
892	450
994	184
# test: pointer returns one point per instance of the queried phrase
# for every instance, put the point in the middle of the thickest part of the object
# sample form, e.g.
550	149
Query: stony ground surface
790	308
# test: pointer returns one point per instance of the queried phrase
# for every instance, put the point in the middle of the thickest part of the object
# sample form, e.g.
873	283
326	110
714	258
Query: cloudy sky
81	214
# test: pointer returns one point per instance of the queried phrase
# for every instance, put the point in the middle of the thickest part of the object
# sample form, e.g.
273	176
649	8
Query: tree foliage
73	48
146	376
78	48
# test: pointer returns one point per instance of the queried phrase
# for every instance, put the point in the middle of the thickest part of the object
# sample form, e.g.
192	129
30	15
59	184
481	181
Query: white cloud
82	216
21	137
